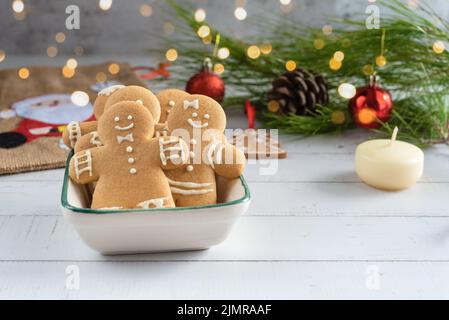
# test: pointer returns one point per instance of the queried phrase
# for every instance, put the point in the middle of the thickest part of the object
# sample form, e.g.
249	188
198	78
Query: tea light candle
389	164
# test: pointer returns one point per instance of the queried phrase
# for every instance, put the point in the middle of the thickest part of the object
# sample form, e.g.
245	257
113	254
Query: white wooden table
313	231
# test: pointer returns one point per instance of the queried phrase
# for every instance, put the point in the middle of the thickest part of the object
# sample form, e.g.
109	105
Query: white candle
389	164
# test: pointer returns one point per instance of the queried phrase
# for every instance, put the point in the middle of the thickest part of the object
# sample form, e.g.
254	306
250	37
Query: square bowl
154	230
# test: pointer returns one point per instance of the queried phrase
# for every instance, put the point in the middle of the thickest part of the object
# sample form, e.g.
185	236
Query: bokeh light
439	47
290	65
327	30
68	72
60	37
2	55
273	106
347	90
338	117
240	13
223	53
319	44
203	31
146	10
219	68
18	6
339	56
253	52
105	4
335	65
80	98
24	73
367	116
381	61
52	51
101	77
200	15
266	48
171	55
114	68
72	63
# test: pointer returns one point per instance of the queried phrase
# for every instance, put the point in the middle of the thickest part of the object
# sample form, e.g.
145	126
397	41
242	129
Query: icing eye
206	116
171	103
116	119
130	117
139	101
194	115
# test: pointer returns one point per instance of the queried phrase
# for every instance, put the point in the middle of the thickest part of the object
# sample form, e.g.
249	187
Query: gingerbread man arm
87	141
227	160
173	152
160	129
85	166
75	130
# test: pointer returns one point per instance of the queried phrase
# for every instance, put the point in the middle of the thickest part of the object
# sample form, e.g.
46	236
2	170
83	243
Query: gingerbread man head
102	98
137	94
197	112
168	99
126	121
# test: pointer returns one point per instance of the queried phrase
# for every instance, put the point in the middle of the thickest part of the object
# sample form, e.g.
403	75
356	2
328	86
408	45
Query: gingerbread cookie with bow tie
168	99
129	166
201	121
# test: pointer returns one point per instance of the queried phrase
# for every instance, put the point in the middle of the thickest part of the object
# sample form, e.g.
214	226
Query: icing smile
197	124
125	128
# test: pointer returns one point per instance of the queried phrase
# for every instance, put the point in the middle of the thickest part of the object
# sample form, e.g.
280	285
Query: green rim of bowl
65	203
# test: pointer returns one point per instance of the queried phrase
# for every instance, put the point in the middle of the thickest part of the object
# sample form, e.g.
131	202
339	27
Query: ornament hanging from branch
371	105
207	83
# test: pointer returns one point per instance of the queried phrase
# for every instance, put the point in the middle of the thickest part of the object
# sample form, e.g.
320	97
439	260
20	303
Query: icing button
129	149
189	168
171	103
193	141
131	160
133	171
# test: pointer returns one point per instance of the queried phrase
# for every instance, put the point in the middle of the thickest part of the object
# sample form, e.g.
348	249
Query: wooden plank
253	239
297	199
224	280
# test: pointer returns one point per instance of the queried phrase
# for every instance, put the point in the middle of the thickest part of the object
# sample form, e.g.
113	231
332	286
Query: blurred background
130	27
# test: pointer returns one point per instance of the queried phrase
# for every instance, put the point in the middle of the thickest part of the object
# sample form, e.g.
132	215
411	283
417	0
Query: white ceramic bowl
154	230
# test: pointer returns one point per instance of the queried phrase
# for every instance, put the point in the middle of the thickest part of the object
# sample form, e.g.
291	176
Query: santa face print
52	109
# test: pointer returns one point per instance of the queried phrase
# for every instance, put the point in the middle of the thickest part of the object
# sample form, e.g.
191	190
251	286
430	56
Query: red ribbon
250	114
152	73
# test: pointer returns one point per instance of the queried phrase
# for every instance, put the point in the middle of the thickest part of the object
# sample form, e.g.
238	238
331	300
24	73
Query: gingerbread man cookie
128	168
113	95
201	121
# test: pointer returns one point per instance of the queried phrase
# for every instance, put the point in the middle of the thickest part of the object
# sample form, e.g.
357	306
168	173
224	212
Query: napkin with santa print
34	112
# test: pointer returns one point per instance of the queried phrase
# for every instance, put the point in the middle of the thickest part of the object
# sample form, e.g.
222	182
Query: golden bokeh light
273	106
290	65
381	61
338	117
335	65
339	56
368	70
327	29
145	10
52	51
207	40
2	55
203	31
68	72
80	98
60	37
253	52
171	55
24	73
219	68
101	77
114	68
266	48
439	47
223	53
367	116
200	15
319	44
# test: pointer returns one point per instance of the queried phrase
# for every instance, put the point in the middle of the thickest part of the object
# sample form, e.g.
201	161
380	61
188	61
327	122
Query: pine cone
298	92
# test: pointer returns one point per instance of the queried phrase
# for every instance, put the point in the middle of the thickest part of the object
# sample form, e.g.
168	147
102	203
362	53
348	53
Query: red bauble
370	105
207	83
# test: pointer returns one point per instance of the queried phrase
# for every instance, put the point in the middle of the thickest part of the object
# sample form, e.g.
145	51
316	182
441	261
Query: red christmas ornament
207	83
370	105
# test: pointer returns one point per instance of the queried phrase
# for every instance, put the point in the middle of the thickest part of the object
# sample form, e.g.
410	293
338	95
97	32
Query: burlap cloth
45	152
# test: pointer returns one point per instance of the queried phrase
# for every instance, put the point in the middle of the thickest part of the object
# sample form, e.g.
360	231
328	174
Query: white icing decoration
116	119
131	160
178	147
189	192
194	115
124	128
74	132
139	101
130	117
110	90
191	104
95	139
128	137
129	149
197	124
189	168
161	152
83	159
212	153
157	203
193	141
206	116
133	171
192	154
191	185
171	103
